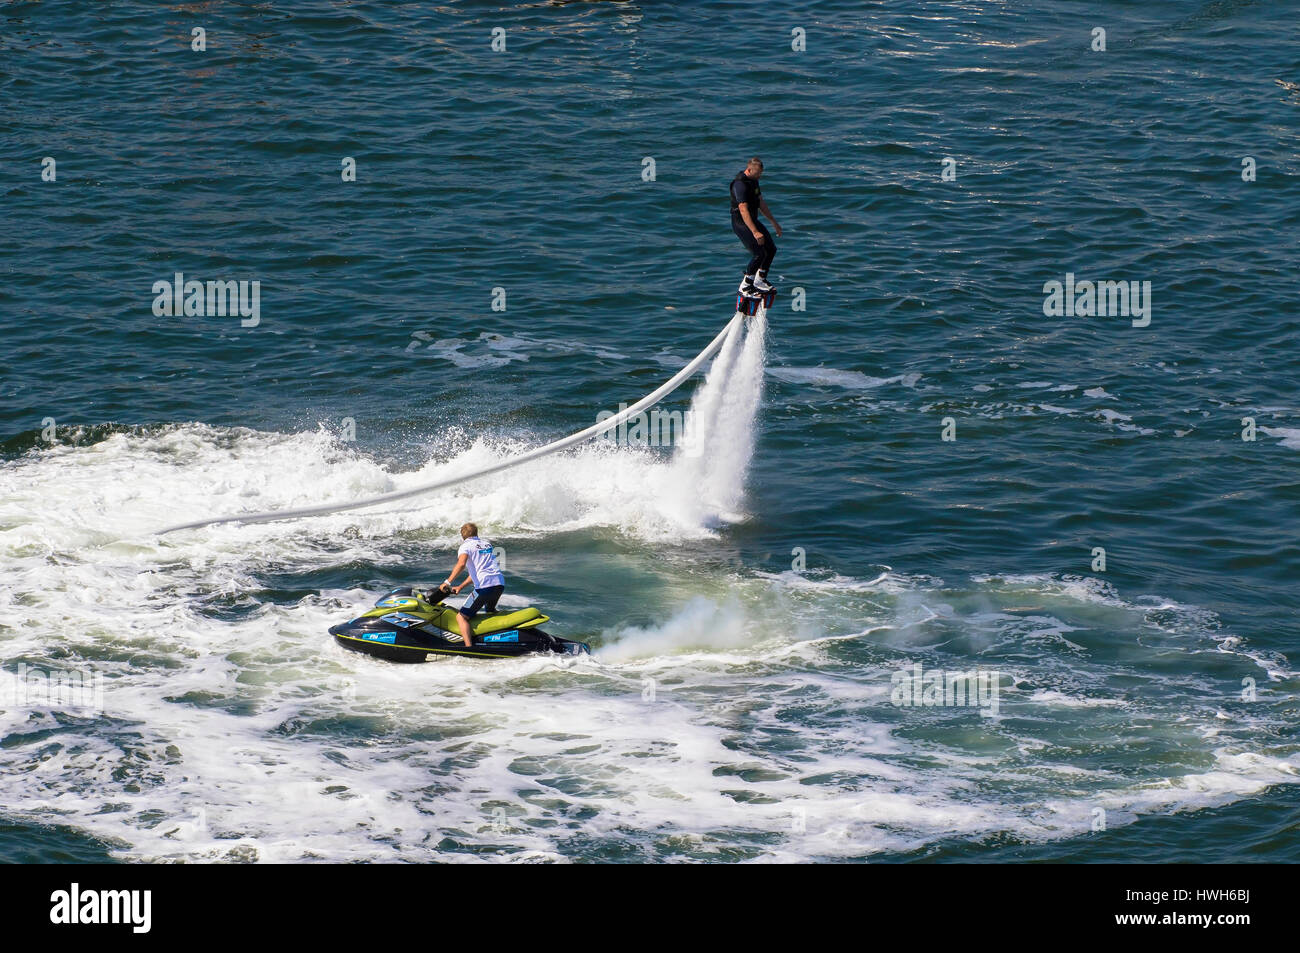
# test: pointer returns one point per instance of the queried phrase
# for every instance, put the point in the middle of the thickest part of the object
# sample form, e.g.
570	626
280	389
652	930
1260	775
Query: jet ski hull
409	646
410	625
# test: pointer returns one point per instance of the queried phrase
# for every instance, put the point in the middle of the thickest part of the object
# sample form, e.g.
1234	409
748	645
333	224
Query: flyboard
750	304
745	306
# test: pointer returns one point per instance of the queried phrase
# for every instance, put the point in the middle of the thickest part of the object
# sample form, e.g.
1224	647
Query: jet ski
409	625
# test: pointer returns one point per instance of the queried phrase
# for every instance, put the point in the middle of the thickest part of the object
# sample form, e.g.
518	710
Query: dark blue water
749	608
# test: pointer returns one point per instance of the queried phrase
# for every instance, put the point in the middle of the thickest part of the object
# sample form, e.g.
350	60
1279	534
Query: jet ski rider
476	555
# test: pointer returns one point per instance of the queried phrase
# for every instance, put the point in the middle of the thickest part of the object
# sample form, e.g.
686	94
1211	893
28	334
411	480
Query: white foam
1064	700
1288	437
122	489
833	377
491	349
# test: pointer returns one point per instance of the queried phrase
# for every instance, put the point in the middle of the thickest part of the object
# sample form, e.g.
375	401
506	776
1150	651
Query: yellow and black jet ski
409	625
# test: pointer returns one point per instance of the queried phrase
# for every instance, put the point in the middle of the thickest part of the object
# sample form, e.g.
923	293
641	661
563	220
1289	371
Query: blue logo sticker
503	637
389	637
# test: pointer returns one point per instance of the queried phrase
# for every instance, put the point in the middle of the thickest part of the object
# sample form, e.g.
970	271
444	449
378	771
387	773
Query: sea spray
711	476
724	482
703	415
702	624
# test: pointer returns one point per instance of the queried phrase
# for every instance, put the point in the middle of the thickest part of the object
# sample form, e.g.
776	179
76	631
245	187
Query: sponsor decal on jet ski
403	619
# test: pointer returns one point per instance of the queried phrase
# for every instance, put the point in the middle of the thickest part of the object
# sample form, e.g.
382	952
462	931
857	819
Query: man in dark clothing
746	204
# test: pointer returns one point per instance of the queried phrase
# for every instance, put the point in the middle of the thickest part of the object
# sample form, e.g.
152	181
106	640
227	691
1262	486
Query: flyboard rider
746	204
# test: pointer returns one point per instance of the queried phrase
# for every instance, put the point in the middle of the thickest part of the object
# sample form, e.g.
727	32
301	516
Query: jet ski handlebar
435	596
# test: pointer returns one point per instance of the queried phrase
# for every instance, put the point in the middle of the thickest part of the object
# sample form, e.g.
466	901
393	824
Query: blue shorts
485	599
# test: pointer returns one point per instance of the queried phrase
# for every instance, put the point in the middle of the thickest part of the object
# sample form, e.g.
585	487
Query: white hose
644	403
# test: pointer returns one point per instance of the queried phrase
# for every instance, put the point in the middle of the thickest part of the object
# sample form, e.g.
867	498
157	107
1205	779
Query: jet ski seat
504	621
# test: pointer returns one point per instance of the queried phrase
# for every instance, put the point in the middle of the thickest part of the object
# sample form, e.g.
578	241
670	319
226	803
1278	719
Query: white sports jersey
482	563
